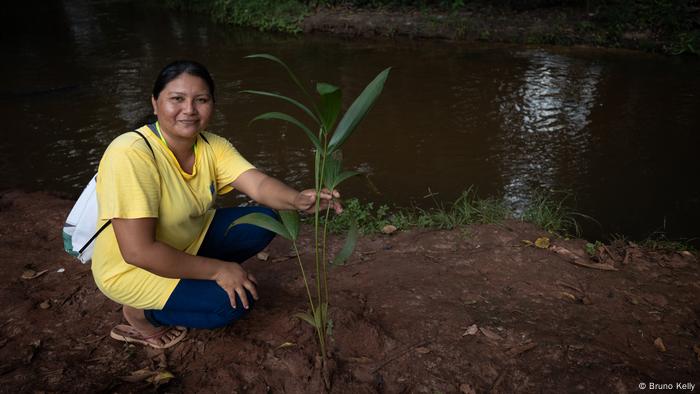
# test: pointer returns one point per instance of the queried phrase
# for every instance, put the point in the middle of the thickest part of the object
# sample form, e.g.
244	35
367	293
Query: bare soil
465	311
549	25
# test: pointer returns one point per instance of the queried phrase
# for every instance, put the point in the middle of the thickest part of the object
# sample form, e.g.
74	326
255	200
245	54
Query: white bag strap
108	222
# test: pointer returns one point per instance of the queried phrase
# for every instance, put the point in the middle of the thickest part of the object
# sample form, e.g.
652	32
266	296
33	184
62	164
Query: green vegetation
265	15
593	247
672	26
663	244
550	211
673	21
330	133
545	211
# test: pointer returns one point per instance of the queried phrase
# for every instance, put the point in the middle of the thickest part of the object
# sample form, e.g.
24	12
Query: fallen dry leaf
632	299
520	349
360	360
659	343
285	345
138	376
568	296
685	253
35	345
422	350
158	378
161	378
577	260
263	256
490	334
471	330
542	242
31	274
465	388
388	229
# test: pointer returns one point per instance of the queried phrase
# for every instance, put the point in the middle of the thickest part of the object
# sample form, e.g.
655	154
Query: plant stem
325	263
303	275
320	331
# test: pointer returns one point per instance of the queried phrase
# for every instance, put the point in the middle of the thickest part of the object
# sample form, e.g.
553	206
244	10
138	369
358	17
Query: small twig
408	349
8	321
498	381
612	256
80	274
595	266
572	287
74	292
520	349
574	259
625	261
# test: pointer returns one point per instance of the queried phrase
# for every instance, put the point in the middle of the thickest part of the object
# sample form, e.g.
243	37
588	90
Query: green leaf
281	63
330	171
305	316
343	176
325	88
333	177
358	110
292	120
264	221
290	219
330	104
287	99
349	245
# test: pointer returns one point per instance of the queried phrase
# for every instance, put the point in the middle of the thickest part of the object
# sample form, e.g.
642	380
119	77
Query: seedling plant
331	134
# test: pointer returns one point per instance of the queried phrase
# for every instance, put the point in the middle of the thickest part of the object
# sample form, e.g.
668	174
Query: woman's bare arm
269	191
139	247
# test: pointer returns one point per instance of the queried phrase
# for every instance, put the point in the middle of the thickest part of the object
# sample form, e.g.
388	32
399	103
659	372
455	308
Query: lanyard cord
160	135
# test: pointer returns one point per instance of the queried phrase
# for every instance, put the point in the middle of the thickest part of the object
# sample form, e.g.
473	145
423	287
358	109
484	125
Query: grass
550	211
663	244
467	209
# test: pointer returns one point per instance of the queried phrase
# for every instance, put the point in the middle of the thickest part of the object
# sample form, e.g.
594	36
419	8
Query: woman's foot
140	330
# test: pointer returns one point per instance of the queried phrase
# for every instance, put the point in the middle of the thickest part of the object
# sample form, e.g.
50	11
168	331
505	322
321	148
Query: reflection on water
619	130
545	113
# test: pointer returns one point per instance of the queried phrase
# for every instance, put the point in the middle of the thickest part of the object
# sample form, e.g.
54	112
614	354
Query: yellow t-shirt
132	184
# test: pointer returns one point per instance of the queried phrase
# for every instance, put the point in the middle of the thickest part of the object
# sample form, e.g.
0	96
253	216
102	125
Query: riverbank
649	26
473	309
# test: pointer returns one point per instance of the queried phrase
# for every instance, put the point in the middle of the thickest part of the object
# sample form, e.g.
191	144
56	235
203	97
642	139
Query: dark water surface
620	130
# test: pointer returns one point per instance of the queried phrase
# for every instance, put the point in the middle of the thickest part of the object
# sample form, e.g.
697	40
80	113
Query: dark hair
177	68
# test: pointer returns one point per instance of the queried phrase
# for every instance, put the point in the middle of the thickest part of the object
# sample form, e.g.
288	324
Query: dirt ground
555	25
473	310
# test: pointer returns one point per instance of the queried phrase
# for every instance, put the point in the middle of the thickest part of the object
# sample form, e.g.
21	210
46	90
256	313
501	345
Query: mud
465	311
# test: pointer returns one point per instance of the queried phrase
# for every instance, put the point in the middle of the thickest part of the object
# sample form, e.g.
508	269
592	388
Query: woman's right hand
235	280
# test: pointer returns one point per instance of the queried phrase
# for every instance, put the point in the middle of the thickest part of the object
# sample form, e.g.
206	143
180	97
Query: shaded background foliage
675	22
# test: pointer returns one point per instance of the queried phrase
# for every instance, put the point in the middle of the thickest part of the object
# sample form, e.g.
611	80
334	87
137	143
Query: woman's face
184	106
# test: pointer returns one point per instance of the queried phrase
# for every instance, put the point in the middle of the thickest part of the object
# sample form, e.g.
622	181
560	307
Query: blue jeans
202	303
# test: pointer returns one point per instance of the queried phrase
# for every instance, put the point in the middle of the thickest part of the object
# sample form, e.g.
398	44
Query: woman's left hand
306	201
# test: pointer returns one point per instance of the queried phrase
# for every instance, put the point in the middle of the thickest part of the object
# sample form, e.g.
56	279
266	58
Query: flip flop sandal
128	334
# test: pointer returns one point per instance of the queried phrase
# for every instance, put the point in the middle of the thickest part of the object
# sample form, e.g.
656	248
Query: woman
167	257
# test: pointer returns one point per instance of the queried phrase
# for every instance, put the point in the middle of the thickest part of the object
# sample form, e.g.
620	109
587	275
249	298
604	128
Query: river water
620	130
